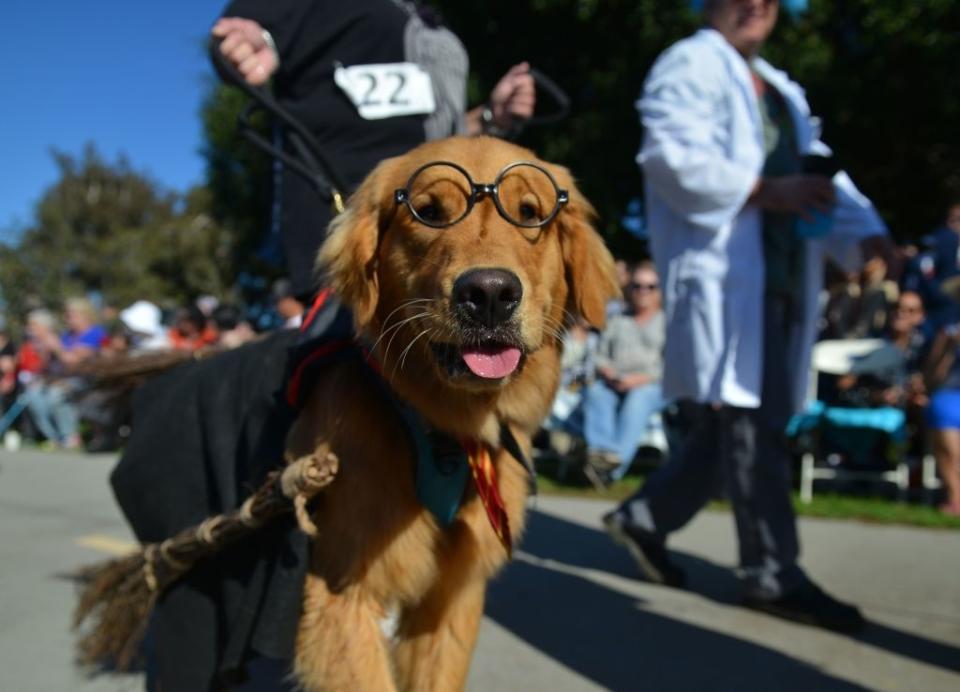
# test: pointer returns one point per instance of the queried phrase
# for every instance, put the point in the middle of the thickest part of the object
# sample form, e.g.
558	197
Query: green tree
598	52
881	74
238	178
105	228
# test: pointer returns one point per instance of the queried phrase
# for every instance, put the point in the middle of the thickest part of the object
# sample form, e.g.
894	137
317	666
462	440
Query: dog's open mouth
490	361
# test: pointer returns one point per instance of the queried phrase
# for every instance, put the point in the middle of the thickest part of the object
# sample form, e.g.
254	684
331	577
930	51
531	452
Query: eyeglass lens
527	195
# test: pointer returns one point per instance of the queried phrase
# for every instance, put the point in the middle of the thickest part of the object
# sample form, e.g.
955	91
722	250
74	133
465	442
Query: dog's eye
529	213
430	212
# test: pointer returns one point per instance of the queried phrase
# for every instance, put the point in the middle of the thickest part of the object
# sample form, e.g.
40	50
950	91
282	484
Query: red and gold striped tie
485	478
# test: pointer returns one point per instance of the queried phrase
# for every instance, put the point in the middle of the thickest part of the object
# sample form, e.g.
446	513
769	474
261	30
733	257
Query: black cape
205	436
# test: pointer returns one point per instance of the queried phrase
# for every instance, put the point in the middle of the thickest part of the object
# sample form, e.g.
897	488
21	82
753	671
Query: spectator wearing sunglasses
626	392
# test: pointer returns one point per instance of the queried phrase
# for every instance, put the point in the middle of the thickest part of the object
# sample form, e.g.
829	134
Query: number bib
387	90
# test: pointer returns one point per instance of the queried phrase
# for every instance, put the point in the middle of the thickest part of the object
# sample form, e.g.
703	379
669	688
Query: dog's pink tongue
492	363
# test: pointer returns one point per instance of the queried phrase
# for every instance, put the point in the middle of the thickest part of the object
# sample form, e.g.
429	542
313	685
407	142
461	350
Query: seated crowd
905	330
610	396
45	375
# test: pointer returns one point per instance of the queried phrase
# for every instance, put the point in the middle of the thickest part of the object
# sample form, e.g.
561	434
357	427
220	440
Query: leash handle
544	85
308	160
559	96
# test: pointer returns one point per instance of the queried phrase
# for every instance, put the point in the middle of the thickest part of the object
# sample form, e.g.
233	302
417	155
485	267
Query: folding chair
851	444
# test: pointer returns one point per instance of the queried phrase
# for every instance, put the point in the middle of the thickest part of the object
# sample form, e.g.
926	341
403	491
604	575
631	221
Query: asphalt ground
569	614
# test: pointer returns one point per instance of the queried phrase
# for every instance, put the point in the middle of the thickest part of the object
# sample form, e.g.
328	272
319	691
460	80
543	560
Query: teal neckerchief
441	470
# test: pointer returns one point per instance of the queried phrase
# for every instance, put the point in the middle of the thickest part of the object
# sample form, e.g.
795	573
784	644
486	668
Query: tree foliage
238	177
880	73
105	228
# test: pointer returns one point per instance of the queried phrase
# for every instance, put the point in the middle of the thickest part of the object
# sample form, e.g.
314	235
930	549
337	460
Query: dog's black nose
487	297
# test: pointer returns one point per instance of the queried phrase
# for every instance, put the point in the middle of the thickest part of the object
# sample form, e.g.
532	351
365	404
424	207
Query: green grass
829	506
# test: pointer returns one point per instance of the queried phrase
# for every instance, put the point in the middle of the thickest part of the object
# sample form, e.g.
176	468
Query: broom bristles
118	595
117	600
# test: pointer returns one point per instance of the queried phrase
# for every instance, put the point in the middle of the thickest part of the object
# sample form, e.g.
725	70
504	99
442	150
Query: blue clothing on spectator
52	410
929	269
92	338
617	421
943	413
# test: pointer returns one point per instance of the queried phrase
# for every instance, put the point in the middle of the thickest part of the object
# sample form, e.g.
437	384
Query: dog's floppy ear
348	258
591	276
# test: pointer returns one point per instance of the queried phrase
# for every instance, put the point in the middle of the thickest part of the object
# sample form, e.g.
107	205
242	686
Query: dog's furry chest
373	527
397	550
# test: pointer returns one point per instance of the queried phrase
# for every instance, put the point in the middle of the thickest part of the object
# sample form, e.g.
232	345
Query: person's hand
514	97
246	47
846	382
48	341
916	391
891	396
608	375
631	381
795	194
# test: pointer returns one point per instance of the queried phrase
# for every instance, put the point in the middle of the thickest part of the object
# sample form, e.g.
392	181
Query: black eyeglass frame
479	190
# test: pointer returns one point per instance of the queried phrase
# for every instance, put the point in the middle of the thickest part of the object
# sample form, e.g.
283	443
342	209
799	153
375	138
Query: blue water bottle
820	222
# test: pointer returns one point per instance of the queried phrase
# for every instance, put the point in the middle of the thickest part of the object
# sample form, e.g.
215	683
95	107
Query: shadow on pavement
608	637
911	646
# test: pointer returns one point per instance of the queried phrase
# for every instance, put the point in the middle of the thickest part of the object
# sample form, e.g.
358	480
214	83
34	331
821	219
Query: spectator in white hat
143	319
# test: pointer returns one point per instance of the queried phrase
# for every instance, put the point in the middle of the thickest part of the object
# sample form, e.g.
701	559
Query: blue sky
126	75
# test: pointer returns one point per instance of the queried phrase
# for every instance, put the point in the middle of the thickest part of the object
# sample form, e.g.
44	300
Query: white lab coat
702	154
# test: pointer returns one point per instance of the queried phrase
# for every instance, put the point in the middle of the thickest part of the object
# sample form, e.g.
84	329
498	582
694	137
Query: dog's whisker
405	304
554	333
403	356
553	327
386	352
552	324
394	328
569	317
405	319
397	363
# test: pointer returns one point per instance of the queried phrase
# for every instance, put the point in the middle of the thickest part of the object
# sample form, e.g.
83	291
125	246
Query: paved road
567	615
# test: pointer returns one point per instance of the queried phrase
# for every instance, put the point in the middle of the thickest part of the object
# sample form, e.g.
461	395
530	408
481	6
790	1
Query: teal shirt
783	249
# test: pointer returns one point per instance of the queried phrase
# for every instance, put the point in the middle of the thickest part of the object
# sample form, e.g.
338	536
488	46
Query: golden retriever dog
464	316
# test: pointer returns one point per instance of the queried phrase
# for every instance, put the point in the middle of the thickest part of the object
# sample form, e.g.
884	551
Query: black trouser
748	447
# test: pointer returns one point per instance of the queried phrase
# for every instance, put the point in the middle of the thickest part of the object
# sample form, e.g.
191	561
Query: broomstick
135	368
118	595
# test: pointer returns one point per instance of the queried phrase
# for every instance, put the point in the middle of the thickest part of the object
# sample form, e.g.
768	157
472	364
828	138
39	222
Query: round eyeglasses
442	193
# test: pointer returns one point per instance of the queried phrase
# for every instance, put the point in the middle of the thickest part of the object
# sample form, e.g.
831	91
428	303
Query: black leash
308	159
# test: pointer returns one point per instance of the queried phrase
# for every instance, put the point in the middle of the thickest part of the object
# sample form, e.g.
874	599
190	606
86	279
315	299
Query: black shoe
599	478
599	467
811	605
650	554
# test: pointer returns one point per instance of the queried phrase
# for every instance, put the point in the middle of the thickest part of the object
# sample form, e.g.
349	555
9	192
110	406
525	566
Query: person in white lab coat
739	232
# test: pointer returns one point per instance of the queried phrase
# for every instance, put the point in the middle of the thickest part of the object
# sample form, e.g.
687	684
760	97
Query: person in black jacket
371	79
205	434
